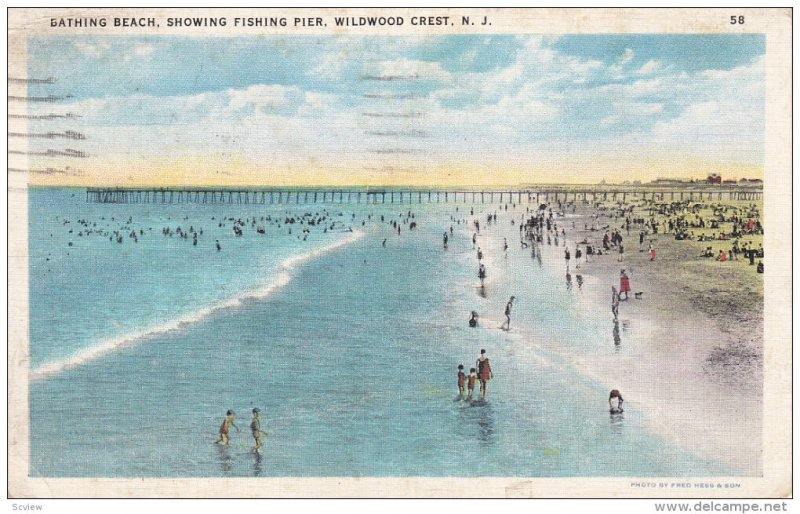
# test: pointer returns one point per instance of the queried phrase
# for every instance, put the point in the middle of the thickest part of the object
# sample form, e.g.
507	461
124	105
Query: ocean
345	334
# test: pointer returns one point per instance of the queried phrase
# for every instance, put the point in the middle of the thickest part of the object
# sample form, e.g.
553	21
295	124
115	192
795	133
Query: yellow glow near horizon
228	171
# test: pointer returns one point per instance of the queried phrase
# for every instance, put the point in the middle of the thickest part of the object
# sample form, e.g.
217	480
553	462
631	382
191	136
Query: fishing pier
261	196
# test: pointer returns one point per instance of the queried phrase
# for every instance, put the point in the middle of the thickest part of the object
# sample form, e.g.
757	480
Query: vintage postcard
399	253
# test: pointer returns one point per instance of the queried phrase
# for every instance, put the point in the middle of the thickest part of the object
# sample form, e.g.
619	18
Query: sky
409	110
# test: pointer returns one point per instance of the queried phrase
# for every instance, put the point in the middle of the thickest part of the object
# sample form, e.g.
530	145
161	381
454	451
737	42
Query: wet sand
697	369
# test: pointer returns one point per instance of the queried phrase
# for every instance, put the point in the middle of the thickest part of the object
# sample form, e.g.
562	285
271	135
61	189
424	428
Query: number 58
737	20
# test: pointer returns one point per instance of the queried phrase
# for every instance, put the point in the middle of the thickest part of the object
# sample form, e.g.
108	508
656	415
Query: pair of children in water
468	381
483	374
255	428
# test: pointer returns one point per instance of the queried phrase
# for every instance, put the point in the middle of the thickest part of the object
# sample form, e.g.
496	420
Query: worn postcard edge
777	443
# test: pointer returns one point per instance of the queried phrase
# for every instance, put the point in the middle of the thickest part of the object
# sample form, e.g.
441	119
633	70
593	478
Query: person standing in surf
484	372
255	428
567	257
507	323
462	379
471	382
224	429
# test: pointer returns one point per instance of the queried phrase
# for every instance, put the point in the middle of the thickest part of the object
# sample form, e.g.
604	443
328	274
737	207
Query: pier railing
246	196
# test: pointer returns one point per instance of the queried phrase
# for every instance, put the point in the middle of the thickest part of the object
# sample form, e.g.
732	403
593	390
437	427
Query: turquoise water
348	347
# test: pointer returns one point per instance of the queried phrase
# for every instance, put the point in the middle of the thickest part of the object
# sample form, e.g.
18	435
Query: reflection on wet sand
225	459
617	420
257	464
485	424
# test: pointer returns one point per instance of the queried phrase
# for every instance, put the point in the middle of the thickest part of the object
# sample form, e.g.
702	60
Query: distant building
729	181
714	179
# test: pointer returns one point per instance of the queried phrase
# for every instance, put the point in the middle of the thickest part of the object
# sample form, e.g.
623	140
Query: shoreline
653	378
675	375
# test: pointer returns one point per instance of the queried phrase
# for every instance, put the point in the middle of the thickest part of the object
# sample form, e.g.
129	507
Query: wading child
473	376
225	428
255	428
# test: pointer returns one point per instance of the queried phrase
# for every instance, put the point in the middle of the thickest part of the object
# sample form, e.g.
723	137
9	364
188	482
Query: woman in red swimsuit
624	284
484	371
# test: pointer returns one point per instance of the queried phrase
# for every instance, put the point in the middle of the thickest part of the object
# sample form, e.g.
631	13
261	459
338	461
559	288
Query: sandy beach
696	369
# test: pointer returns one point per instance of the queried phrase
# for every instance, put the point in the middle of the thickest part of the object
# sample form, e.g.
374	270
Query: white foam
284	277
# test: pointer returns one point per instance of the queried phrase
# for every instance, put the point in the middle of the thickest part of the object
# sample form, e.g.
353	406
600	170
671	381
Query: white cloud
319	101
96	50
260	96
330	66
649	68
143	50
613	119
543	97
722	116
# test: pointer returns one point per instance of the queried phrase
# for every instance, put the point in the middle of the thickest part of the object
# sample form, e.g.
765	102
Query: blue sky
416	104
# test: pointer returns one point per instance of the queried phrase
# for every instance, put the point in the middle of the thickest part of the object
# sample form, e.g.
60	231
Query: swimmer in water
473	319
